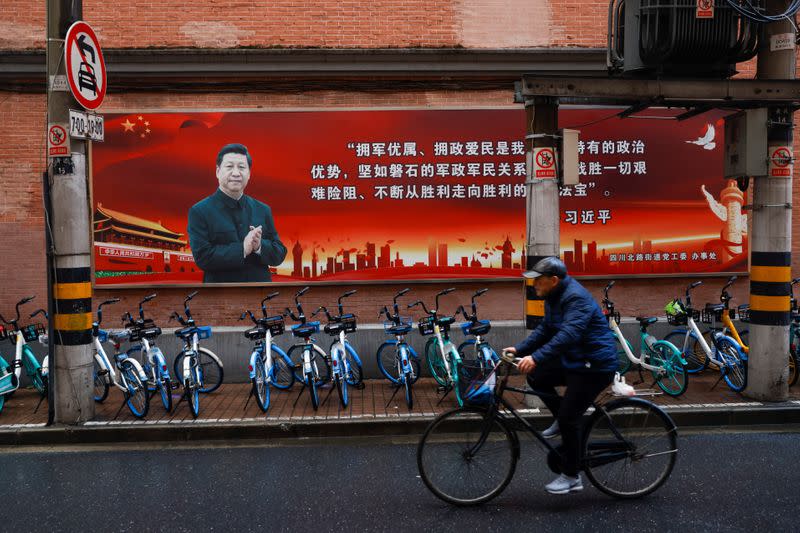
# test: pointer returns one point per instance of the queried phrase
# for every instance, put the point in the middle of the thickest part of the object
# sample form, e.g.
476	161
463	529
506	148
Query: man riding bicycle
573	346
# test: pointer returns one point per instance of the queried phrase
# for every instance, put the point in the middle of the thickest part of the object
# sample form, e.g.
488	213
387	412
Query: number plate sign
86	126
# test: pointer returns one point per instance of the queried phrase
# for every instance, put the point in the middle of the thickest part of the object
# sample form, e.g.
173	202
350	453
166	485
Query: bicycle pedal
174	385
444	390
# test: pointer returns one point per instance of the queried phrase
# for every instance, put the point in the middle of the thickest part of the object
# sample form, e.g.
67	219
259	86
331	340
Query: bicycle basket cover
675	307
477	385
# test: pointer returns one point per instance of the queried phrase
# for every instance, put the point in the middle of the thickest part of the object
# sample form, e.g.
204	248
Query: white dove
707	140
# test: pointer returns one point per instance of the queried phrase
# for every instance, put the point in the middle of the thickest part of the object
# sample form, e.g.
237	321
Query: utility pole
771	237
69	220
543	216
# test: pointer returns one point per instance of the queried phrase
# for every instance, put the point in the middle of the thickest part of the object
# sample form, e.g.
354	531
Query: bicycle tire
137	397
100	382
408	384
282	373
734	371
341	389
2	401
456	369
311	383
450	467
619	437
623	361
696	359
165	389
433	357
192	387
387	362
212	371
665	355
323	366
260	385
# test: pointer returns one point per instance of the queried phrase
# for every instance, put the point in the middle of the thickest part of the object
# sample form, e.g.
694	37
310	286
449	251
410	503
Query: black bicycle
467	456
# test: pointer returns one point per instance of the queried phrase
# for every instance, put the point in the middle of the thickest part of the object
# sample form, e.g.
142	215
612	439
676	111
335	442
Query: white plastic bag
620	388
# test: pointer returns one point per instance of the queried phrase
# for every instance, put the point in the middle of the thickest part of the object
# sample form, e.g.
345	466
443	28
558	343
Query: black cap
549	266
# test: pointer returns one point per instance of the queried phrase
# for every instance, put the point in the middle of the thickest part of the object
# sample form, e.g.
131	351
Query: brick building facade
182	54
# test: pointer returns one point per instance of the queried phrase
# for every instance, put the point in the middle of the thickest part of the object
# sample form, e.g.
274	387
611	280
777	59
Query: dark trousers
582	389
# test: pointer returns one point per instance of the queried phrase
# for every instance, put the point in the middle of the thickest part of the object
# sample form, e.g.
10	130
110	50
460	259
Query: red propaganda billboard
403	194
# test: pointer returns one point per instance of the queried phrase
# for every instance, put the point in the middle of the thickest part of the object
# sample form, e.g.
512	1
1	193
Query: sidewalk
223	414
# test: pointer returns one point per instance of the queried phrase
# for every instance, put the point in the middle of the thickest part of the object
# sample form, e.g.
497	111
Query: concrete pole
771	237
70	220
541	116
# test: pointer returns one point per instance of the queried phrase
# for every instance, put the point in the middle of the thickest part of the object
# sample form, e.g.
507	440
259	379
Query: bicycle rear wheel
465	458
211	371
192	386
793	370
408	384
387	357
675	379
629	448
100	382
694	354
311	383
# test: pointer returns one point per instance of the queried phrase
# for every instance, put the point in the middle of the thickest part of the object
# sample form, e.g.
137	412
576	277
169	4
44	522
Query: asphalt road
722	482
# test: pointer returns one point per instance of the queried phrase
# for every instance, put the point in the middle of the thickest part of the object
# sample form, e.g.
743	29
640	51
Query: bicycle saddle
647	320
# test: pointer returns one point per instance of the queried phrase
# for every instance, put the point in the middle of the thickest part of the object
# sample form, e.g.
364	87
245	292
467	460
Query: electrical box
746	143
568	157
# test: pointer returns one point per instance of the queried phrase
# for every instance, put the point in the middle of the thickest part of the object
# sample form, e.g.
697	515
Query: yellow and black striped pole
770	288
72	294
534	306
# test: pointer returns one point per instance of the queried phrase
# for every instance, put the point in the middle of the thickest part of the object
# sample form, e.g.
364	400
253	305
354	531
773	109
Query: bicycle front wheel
674	379
435	362
260	385
466	456
408	383
629	448
137	396
734	369
793	370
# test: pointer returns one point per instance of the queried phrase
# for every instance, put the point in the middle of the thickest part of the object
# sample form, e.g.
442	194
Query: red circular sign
545	158
781	157
58	135
86	69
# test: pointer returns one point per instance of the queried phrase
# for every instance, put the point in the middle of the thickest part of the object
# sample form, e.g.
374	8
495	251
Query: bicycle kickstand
329	395
39	404
124	401
396	388
446	389
721	375
299	394
248	399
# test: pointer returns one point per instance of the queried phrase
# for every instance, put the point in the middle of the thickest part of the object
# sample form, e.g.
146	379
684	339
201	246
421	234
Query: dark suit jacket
217	228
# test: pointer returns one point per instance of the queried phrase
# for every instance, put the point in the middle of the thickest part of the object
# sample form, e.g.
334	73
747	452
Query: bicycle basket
678	320
275	324
203	332
476	384
404	326
102	335
744	312
31	332
615	315
255	334
425	325
349	323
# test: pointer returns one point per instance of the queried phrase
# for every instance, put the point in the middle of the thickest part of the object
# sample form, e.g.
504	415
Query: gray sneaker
552	431
564	484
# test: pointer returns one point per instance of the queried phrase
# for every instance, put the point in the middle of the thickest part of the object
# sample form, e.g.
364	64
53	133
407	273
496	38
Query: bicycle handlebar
100	309
265	300
39	312
339	301
442	293
146	299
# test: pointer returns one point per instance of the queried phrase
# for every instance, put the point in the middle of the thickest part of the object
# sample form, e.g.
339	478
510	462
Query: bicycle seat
481	327
714	308
305	330
185	333
646	320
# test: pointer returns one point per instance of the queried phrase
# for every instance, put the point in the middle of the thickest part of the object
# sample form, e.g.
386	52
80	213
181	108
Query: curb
705	415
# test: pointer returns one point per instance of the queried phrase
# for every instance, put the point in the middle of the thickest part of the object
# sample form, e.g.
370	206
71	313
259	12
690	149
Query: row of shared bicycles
704	339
